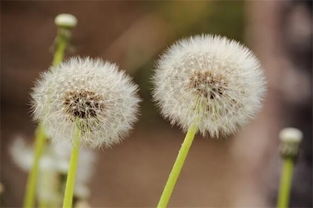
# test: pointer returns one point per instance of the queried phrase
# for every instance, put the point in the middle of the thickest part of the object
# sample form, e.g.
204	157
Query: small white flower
65	20
90	94
211	80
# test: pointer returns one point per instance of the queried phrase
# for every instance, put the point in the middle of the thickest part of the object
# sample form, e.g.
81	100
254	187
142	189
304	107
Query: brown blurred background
241	171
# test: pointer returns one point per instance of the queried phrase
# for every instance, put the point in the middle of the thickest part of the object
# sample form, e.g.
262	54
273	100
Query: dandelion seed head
211	80
90	94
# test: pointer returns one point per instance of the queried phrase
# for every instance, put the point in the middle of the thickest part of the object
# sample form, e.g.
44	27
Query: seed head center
83	104
207	84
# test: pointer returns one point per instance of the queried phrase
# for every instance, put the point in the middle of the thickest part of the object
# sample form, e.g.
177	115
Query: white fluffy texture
211	80
21	154
65	20
48	186
85	170
55	160
290	135
106	112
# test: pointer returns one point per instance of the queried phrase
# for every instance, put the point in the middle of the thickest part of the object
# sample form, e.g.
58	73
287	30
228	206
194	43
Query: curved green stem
285	183
71	174
178	165
40	140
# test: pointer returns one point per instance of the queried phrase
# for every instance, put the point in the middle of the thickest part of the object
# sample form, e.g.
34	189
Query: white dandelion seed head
89	94
211	80
65	20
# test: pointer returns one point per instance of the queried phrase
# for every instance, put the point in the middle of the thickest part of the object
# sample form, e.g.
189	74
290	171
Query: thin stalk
71	174
178	165
62	40
40	140
285	183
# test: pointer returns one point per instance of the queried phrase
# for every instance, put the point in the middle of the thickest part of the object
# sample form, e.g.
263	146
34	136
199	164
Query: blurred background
240	171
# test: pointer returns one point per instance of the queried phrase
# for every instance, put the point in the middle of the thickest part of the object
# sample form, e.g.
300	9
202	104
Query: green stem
40	141
178	165
61	44
285	183
71	174
62	40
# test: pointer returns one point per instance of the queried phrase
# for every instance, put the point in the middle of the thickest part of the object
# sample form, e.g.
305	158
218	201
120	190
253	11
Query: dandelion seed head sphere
211	80
89	93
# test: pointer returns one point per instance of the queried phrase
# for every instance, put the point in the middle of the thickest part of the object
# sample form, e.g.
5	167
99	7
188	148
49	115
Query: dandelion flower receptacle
88	102
208	84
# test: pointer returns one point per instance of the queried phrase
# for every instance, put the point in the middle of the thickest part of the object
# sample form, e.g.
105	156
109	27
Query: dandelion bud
91	95
210	80
290	140
66	20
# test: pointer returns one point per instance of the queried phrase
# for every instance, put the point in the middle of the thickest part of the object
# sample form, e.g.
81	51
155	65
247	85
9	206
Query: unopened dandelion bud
290	141
65	20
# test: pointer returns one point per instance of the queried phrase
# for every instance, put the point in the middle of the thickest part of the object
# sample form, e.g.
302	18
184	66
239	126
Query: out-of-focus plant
289	149
208	84
52	169
64	22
